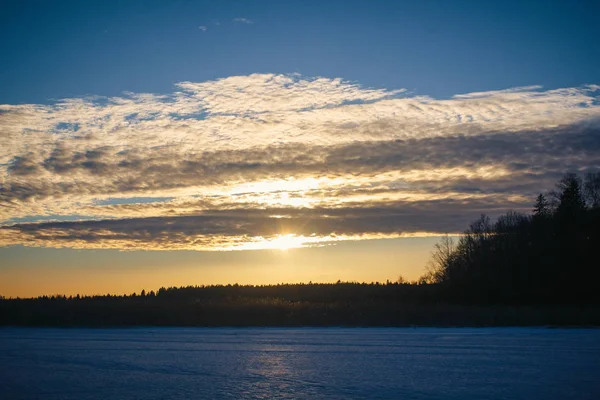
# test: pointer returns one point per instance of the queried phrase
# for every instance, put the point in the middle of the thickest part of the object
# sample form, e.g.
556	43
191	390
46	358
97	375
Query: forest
521	269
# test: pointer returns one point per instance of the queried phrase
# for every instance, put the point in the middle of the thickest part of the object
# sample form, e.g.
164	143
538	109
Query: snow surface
306	363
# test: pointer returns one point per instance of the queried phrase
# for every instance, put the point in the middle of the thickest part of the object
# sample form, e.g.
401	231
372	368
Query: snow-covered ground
328	363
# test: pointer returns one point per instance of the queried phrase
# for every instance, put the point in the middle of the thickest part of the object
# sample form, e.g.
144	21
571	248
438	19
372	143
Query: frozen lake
309	363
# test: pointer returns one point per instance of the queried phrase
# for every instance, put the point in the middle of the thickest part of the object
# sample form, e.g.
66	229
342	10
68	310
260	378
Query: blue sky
148	143
61	49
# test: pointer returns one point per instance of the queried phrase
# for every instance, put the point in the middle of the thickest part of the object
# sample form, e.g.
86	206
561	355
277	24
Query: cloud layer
244	160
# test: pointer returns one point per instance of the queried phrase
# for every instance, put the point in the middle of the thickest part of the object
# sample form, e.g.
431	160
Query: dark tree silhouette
571	202
541	207
549	258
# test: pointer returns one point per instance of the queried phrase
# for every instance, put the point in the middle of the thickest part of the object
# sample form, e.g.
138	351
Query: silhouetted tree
541	207
571	201
521	259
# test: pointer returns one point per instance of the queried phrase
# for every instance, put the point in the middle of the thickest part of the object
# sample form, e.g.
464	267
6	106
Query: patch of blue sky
68	126
198	116
138	117
101	101
49	218
391	95
26	131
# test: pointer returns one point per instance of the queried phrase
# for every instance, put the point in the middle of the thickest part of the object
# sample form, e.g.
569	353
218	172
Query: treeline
550	257
538	269
340	304
231	305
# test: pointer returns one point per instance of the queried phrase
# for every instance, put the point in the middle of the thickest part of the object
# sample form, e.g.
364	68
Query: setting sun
279	242
285	242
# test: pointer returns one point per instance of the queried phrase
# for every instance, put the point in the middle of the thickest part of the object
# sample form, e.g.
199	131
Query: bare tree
592	189
440	259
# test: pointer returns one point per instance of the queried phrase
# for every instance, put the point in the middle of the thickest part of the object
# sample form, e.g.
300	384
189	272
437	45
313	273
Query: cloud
203	28
235	228
243	20
231	154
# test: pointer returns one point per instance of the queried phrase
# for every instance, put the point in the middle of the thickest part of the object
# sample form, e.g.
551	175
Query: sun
286	242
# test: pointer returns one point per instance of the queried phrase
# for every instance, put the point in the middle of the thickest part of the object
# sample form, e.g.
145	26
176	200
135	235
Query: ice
305	363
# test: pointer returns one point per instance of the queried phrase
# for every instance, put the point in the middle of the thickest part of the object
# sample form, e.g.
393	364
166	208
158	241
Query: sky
149	144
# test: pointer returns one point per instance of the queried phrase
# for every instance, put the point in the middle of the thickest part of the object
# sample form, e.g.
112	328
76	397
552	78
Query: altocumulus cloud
238	162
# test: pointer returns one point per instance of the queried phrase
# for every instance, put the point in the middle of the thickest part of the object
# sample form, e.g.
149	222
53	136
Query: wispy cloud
243	20
203	28
243	160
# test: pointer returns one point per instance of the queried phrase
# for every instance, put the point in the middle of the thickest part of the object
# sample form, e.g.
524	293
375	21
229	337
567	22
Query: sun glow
285	242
